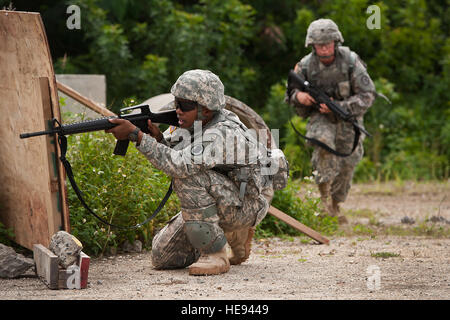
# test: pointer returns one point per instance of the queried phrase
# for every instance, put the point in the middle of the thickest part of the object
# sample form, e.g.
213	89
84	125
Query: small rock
408	220
438	219
66	247
13	264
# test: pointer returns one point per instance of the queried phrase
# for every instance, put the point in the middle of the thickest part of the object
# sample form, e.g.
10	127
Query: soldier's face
187	113
325	50
186	118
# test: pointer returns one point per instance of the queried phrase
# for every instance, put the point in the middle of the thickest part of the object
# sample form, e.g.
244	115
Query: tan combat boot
211	264
240	242
335	207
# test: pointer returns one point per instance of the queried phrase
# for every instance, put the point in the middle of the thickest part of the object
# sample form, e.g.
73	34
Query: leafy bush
277	112
297	151
121	190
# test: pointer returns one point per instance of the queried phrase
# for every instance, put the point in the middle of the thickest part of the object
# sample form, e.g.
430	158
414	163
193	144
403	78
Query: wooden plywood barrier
32	189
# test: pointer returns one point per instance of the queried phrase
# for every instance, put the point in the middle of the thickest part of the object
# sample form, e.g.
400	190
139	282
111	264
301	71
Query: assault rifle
138	119
296	81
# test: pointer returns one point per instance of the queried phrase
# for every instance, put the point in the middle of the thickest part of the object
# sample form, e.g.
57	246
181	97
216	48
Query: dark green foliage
6	235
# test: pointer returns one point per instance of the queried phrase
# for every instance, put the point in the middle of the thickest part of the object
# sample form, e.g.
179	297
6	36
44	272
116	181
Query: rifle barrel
139	120
34	134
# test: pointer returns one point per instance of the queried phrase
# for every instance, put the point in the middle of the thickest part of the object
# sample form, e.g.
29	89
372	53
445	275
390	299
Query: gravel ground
362	267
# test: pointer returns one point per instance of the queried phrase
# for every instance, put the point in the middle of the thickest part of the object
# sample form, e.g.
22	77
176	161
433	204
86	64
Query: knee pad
171	248
206	237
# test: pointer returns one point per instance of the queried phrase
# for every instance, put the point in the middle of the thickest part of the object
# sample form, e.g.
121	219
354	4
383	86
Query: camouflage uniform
207	180
345	80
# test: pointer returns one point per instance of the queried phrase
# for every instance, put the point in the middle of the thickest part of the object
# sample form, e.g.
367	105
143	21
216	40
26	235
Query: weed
384	255
362	230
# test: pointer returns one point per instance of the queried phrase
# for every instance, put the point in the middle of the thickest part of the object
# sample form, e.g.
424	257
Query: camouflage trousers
328	167
171	247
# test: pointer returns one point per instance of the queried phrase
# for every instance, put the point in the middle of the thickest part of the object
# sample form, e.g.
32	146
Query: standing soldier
342	75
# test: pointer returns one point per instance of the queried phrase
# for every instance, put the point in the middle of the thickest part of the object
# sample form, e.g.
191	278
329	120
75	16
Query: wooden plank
46	265
297	225
83	100
56	113
62	278
84	269
55	188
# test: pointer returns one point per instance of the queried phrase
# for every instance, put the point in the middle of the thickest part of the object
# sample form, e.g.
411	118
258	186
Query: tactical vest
335	79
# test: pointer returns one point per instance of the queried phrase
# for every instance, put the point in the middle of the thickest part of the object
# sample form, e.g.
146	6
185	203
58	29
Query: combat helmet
201	86
323	31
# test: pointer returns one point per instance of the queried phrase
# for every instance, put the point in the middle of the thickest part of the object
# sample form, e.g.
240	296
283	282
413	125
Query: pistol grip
121	147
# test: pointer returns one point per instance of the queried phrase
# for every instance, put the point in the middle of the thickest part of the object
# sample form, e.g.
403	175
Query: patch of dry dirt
354	267
390	202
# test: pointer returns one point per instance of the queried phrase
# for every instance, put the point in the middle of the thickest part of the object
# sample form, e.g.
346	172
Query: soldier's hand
304	98
122	130
324	108
154	131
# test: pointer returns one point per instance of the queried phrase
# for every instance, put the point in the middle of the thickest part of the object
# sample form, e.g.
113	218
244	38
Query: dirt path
374	264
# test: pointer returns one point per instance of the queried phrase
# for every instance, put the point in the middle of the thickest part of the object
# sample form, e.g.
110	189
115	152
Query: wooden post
46	265
297	225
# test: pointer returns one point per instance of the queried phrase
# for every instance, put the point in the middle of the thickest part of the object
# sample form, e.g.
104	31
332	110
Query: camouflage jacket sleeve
175	163
302	110
202	154
363	91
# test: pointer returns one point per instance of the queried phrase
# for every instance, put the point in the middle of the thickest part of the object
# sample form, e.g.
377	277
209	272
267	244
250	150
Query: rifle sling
62	141
326	147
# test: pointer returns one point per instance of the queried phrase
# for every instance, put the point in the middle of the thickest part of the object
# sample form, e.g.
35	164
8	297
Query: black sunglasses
185	105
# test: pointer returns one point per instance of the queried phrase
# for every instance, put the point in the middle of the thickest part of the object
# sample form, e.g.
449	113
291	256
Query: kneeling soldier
222	193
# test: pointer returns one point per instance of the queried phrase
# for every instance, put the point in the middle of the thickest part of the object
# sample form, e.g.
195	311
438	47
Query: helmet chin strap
325	57
200	115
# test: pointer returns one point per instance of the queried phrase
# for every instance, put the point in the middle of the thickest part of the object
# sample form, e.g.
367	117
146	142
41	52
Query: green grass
384	254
